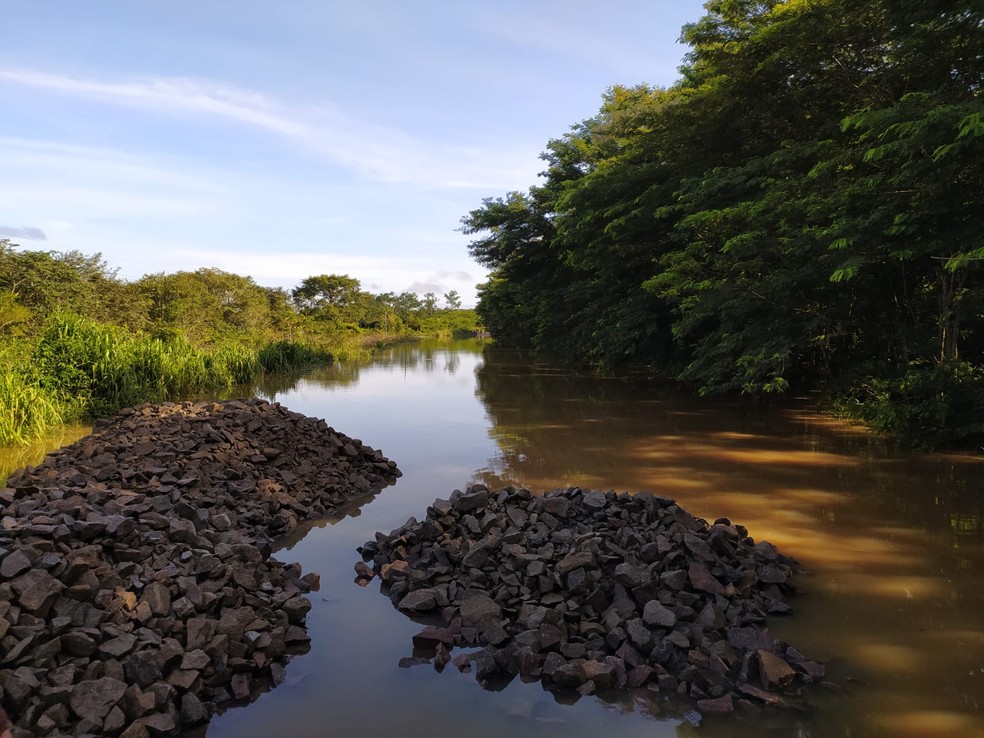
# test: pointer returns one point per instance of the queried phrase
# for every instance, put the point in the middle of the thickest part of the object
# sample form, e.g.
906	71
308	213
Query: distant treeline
803	209
77	342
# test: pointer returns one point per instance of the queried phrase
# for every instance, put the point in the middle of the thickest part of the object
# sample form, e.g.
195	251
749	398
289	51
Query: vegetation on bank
802	210
77	343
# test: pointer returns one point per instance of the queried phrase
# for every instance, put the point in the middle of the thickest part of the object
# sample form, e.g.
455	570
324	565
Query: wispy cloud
59	182
377	152
27	156
34	234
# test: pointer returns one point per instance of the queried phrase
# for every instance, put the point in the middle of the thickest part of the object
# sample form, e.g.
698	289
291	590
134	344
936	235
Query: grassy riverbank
78	343
79	370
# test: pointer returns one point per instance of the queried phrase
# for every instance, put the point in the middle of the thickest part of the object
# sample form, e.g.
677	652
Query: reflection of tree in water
562	424
668	708
785	724
429	354
555	428
327	375
452	361
426	355
17	457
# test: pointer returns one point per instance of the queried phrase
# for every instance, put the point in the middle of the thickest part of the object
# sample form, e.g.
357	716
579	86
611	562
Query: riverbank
80	371
138	592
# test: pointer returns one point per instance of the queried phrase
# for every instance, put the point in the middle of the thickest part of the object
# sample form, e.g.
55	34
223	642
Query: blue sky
281	140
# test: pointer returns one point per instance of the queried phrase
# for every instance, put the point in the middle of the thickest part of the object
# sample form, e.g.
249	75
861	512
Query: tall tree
452	300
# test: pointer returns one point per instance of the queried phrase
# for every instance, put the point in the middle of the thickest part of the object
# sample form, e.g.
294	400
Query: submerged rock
592	590
137	590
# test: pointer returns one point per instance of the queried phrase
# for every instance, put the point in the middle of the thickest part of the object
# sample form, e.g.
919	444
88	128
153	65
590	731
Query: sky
284	140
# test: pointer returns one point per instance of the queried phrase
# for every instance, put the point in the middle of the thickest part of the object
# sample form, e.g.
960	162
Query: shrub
924	406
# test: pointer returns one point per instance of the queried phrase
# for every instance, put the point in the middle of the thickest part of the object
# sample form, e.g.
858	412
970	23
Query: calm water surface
894	601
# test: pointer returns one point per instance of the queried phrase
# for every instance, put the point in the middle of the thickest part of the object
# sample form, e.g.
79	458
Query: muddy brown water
893	543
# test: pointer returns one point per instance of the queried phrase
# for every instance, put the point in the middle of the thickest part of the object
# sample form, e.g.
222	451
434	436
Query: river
893	545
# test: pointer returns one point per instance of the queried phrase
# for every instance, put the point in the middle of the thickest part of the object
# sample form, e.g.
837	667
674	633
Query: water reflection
893	543
13	458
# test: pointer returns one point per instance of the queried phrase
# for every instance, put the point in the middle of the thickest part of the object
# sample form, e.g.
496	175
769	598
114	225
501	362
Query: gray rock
774	672
595	500
602	674
577	581
471	501
570	674
296	608
78	643
638	633
580	560
37	591
477	608
656	615
13	564
702	580
552	662
557	506
675	579
698	547
160	724
722	705
158	598
93	700
116	647
419	600
142	668
632	576
432	636
192	709
749	639
494	633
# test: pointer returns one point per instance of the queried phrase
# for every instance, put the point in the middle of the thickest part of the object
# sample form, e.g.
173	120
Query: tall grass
27	412
283	356
95	370
238	364
80	369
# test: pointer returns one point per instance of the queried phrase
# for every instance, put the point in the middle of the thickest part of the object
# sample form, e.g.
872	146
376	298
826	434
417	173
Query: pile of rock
137	592
593	590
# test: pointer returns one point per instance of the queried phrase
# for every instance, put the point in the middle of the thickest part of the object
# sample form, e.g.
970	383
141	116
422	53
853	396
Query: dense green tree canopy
803	207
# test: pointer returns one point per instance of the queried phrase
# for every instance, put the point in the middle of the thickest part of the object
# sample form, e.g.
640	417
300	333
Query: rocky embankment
594	590
137	592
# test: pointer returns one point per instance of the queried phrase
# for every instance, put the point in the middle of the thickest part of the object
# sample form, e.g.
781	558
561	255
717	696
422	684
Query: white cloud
377	152
29	232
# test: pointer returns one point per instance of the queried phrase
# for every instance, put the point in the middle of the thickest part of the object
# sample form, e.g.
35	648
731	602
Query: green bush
925	406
